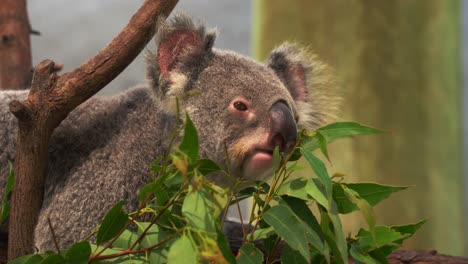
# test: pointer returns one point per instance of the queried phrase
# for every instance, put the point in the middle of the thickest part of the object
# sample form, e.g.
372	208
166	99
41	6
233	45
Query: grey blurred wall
73	31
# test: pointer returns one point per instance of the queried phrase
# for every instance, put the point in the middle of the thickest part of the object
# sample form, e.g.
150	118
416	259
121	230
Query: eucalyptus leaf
206	166
320	170
363	205
293	230
223	245
29	259
373	193
249	254
291	256
200	210
338	130
189	143
79	253
383	236
114	221
183	251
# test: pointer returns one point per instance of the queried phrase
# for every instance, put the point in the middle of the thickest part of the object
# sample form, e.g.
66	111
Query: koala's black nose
283	131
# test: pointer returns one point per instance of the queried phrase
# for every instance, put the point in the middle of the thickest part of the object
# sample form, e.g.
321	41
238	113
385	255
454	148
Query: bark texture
15	47
50	100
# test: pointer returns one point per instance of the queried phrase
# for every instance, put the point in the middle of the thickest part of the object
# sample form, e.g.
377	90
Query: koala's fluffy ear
183	47
310	83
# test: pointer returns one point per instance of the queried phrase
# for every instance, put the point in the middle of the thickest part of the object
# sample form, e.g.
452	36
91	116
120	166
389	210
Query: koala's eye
240	106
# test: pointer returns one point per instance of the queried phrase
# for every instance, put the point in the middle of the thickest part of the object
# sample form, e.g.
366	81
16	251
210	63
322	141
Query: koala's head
237	104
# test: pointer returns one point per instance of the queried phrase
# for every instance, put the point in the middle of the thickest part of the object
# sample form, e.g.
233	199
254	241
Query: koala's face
243	107
237	104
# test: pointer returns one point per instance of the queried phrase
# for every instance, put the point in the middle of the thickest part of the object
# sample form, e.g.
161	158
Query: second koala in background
101	152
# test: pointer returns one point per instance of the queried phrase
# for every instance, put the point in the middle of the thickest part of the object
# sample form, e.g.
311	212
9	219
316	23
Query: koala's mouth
258	164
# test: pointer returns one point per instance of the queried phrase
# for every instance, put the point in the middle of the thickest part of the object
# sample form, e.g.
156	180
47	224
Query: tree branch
50	100
15	47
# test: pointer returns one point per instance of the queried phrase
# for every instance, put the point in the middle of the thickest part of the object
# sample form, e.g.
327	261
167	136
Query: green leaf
361	256
183	251
223	245
295	188
5	210
319	168
409	229
189	143
53	259
364	206
339	237
249	254
338	130
201	210
262	233
373	193
293	230
206	166
322	141
153	235
152	187
114	221
29	259
305	189
317	191
125	240
292	256
78	253
383	236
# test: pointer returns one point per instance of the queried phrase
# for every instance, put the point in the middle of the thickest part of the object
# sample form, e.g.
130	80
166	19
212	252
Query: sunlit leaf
262	233
320	170
183	251
363	205
200	210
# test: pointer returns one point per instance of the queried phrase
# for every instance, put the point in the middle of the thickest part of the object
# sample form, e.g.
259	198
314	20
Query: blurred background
401	65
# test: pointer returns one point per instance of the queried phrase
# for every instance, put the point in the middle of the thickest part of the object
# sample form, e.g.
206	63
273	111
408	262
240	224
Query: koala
101	152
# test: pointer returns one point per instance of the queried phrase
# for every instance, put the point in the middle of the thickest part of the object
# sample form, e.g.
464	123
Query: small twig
129	251
172	201
240	216
34	32
54	237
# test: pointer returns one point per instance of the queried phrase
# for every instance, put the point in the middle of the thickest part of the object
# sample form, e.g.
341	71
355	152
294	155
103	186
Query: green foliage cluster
179	217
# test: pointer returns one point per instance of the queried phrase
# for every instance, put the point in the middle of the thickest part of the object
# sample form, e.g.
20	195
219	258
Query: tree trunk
15	47
50	100
399	65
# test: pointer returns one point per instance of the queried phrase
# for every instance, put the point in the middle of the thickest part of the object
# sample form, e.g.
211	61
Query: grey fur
101	151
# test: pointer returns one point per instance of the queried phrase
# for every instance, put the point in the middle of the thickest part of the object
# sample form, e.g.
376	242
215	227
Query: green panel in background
399	65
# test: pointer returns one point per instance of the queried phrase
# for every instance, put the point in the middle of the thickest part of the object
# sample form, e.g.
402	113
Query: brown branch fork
51	99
